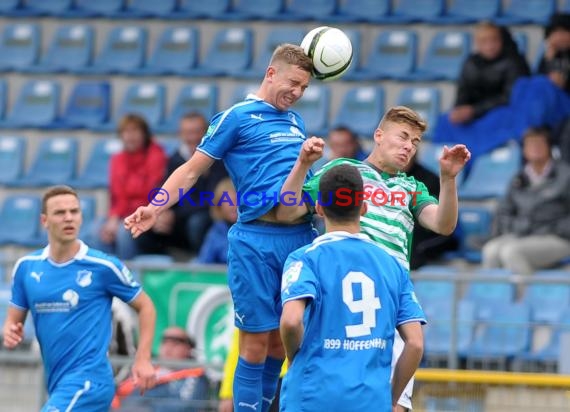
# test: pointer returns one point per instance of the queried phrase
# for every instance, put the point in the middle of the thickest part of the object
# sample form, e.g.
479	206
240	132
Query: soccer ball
331	52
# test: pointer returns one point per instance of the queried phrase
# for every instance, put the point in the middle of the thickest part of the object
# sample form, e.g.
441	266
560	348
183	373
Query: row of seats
394	54
89	105
377	11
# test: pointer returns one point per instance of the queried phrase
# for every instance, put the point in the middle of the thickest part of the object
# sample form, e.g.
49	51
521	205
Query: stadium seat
169	144
241	91
47	7
505	333
361	109
201	9
37	105
88	205
444	57
3	99
428	155
369	11
176	52
313	108
308	10
521	40
70	50
527	12
552	348
486	293
150	8
124	51
95	174
55	163
274	38
406	11
200	98
145	99
88	105
256	9
7	7
476	228
468	11
104	8
12	158
426	101
547	300
230	53
392	56
20	220
19	46
491	174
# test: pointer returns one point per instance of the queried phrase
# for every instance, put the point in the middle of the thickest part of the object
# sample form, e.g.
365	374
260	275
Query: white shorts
406	398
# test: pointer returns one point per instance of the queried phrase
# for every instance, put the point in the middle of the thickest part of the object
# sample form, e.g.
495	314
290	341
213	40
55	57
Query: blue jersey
259	145
356	295
71	308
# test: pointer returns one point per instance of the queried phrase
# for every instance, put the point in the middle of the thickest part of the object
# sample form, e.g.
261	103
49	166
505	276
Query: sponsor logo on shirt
70	300
37	276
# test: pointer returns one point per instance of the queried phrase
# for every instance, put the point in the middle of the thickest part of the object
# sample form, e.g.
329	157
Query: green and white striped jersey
393	202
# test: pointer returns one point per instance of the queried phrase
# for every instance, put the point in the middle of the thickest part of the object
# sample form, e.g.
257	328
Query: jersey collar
343	233
81	253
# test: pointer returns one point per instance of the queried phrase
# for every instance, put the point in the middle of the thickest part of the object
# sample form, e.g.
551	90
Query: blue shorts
256	255
81	397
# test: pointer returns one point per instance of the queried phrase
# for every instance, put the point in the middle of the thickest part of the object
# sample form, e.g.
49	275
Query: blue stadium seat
7	7
426	101
200	98
548	300
241	91
95	174
104	8
274	38
361	109
314	107
20	220
48	7
505	333
37	105
230	53
169	144
70	50
3	99
476	224
444	57
256	9
308	10
12	158
486	293
124	51
392	56
176	52
19	46
521	40
88	105
527	12
193	9
88	205
55	163
406	11
552	349
428	155
370	11
491	174
468	11
150	8
145	99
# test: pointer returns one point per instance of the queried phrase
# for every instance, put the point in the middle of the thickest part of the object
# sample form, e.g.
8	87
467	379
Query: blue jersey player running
68	288
343	297
259	140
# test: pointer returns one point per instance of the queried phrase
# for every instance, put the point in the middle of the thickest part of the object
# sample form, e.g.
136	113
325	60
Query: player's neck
342	227
381	165
61	252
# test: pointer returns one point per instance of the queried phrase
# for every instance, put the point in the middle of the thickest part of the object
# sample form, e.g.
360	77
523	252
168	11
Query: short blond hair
404	115
292	55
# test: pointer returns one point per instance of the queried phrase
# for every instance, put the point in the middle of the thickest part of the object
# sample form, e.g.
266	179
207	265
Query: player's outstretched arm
291	326
311	151
410	358
13	330
143	371
442	218
180	181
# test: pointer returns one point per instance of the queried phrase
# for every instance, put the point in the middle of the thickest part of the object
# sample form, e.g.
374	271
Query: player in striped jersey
68	288
394	199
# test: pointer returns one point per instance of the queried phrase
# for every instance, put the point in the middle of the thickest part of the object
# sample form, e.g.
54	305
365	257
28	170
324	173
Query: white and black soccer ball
331	52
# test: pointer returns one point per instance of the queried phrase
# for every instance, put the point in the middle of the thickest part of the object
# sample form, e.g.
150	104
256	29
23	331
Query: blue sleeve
299	280
221	135
19	298
119	281
409	309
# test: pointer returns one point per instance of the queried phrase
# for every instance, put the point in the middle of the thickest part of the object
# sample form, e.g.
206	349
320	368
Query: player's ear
270	72
363	208
43	220
319	209
378	135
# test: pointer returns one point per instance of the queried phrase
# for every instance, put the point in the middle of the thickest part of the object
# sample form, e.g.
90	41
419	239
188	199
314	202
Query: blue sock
247	386
270	380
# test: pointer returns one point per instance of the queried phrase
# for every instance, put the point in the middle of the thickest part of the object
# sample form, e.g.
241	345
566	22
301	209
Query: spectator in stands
177	389
134	172
427	246
488	74
185	224
341	142
224	214
533	221
556	39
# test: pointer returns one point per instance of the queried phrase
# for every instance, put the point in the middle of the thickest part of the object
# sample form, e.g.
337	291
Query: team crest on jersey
83	278
293	119
291	275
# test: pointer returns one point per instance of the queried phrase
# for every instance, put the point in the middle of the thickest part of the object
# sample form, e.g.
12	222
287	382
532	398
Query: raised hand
453	160
141	220
312	150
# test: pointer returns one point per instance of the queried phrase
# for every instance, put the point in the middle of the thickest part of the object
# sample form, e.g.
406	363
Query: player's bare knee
253	346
